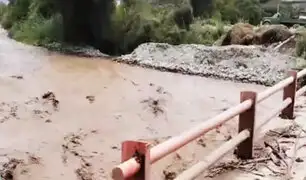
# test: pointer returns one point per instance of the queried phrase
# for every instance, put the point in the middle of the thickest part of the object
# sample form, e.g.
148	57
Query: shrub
2	8
141	23
183	17
205	33
132	25
233	10
19	10
33	21
15	12
44	8
7	19
249	10
301	42
301	47
38	30
201	7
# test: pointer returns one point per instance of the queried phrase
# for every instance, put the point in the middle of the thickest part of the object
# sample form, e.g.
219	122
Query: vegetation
119	29
32	21
301	49
234	10
301	42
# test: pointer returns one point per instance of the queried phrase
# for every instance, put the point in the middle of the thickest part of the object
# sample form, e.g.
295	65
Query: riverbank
248	64
80	51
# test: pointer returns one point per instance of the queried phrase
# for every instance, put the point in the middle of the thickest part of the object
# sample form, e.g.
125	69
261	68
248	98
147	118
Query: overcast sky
5	1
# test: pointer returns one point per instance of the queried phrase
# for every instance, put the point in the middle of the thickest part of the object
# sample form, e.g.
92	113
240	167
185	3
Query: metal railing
137	157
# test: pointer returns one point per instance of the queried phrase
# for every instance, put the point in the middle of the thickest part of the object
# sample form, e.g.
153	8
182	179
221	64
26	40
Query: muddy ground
64	117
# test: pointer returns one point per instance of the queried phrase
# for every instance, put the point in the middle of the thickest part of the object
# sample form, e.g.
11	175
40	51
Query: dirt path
97	104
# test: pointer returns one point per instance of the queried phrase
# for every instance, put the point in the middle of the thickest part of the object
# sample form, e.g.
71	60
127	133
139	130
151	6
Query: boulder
273	34
241	33
246	34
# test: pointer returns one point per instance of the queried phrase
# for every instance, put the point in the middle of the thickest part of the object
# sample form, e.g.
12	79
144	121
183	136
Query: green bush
234	10
7	19
183	17
132	25
142	23
201	8
33	21
301	47
14	13
38	30
44	8
301	42
249	10
19	10
2	9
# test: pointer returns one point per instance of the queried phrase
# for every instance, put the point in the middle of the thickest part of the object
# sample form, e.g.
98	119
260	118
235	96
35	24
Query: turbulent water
95	104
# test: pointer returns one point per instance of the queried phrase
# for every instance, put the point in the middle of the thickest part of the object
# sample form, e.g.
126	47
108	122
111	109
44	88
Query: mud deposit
249	64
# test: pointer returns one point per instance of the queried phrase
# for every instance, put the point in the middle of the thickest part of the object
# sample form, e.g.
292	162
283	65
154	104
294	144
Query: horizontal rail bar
272	90
197	169
213	157
301	91
274	113
177	142
131	166
301	73
126	169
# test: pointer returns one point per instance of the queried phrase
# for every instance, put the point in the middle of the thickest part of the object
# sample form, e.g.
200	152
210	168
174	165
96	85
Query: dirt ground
64	117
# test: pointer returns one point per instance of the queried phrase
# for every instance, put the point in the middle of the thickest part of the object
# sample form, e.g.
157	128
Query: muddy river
96	104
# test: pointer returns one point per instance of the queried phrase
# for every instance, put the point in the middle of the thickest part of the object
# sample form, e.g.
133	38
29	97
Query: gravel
248	64
81	51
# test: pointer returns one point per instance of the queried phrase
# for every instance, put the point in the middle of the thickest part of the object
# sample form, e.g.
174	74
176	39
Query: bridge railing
137	157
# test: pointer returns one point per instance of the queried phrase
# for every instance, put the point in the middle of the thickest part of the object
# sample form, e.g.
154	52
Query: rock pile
250	64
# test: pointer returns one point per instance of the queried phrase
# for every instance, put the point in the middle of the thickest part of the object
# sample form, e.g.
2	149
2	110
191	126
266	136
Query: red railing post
246	121
140	151
289	92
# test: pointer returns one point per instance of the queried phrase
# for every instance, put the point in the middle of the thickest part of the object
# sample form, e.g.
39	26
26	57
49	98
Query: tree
201	7
250	10
183	17
235	10
88	22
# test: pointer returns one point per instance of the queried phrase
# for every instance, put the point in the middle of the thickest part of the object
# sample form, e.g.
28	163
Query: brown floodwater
102	103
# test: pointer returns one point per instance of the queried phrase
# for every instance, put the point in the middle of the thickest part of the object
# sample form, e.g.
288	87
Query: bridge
137	157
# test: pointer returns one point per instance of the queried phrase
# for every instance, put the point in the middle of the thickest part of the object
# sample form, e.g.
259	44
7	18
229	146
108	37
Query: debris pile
274	157
248	64
50	96
246	34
